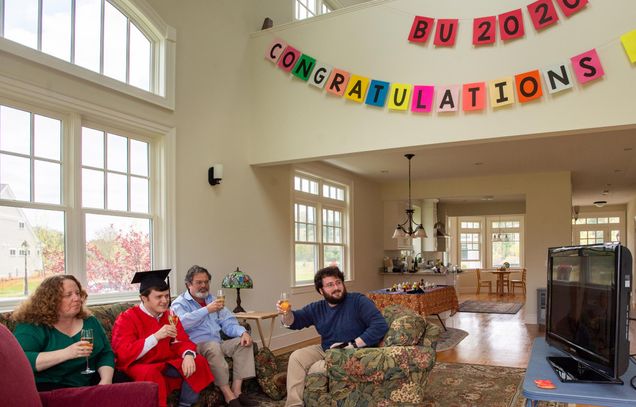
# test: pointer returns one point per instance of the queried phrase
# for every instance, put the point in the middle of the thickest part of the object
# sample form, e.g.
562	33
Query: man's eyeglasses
201	282
334	284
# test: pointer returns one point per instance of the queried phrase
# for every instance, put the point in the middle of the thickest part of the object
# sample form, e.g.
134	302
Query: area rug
450	338
463	385
490	307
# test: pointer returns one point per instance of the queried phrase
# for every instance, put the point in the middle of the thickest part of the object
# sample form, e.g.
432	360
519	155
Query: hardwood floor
493	339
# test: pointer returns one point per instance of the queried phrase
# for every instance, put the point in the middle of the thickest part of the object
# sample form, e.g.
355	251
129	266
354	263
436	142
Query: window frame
605	227
75	114
321	202
163	48
485	232
319	9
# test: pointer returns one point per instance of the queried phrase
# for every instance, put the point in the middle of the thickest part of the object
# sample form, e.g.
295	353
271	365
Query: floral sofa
393	374
270	379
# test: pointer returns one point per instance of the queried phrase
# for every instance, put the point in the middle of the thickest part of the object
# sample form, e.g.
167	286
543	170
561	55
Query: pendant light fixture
409	228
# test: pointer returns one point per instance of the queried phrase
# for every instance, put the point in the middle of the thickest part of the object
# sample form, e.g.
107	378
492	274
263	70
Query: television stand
567	392
569	370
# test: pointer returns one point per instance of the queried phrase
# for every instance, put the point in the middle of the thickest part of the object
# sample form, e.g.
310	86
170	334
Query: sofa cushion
405	331
270	375
17	385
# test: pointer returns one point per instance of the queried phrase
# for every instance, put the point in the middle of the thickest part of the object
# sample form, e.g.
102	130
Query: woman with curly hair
49	326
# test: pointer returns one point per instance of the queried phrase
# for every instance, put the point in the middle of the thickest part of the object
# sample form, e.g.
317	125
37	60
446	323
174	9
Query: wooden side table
258	316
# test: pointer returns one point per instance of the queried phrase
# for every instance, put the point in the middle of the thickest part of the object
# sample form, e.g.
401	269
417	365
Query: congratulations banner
422	98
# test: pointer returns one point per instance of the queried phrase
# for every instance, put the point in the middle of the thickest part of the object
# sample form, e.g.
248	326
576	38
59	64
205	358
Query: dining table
501	278
429	301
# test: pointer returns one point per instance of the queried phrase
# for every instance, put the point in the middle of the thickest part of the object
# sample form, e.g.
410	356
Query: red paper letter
446	32
570	7
421	28
484	30
511	25
542	14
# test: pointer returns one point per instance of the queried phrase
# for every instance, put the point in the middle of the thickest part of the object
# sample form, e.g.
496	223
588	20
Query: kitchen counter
427	275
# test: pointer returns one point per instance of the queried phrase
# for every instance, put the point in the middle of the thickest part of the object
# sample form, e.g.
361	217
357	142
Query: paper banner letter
376	96
570	7
303	67
274	50
446	32
501	92
421	29
629	43
337	82
422	98
357	88
288	58
320	74
557	78
399	96
543	14
587	66
484	30
447	98
528	86
474	96
511	25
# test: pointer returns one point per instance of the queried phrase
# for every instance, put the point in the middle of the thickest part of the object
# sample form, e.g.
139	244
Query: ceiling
598	161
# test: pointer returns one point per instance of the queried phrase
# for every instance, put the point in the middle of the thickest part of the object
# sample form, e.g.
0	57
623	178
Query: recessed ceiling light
600	204
478	163
487	198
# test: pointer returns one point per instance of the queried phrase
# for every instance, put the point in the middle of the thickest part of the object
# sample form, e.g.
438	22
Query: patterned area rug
450	338
490	307
463	385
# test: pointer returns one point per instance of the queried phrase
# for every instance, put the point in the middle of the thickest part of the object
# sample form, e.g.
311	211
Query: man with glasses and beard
343	320
204	317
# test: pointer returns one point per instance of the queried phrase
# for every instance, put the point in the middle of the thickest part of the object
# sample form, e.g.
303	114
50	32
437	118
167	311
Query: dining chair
483	283
519	283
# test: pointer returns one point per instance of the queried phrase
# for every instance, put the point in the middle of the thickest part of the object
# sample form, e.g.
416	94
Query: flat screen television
587	314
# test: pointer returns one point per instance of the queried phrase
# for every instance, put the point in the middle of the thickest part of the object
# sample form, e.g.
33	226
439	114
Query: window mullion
128	50
73	15
32	158
101	37
74	222
2	19
40	14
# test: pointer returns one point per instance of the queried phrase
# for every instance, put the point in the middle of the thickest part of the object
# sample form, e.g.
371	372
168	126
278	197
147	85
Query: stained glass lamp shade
237	279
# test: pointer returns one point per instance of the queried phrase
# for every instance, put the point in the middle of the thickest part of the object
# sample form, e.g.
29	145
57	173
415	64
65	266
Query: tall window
94	34
107	193
320	226
309	8
598	228
488	241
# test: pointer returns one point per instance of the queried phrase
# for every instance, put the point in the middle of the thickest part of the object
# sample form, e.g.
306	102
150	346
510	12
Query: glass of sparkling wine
285	306
173	319
220	296
87	335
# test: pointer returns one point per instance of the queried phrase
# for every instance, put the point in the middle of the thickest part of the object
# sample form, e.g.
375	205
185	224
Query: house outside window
321	226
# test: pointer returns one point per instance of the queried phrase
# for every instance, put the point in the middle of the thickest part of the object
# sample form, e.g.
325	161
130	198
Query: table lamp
237	279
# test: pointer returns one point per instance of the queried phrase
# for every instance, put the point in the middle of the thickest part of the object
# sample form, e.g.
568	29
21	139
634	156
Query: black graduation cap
150	279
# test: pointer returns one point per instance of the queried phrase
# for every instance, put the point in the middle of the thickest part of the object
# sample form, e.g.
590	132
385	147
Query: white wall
293	120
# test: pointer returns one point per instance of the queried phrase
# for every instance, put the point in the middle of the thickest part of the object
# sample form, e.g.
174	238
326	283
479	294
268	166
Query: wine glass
87	335
220	296
173	319
285	306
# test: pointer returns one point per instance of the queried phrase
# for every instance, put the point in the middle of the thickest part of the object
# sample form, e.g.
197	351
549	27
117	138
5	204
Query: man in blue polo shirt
203	318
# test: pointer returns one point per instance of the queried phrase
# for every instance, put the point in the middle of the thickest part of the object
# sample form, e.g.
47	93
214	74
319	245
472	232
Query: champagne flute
220	295
173	319
87	335
285	306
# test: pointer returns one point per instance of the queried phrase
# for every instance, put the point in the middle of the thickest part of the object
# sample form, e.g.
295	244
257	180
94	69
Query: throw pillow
405	331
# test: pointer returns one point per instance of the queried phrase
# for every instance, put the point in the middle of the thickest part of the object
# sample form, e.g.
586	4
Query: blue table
580	393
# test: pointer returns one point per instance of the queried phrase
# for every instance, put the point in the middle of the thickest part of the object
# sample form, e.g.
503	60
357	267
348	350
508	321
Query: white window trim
485	233
76	113
312	171
164	54
332	4
605	227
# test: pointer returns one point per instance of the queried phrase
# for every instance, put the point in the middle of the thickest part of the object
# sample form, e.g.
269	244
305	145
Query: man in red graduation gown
148	348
